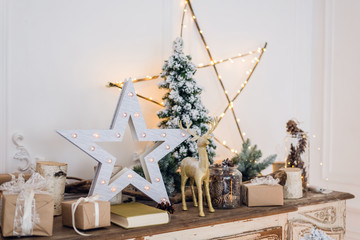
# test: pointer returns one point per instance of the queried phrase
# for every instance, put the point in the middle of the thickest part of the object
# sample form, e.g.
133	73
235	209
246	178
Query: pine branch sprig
248	161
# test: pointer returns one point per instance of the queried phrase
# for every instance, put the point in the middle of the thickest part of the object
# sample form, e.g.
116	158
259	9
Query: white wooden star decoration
127	110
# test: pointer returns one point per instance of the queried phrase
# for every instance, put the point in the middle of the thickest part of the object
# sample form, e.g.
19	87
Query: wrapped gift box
262	195
44	205
85	214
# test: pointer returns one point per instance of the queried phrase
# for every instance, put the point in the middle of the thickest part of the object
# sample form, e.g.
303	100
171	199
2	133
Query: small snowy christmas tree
183	102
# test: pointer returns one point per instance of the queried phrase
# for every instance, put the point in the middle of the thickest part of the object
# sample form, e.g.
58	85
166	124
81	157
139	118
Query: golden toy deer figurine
197	171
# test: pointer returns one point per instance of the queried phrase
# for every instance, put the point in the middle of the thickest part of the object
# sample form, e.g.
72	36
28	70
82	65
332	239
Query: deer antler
192	132
213	124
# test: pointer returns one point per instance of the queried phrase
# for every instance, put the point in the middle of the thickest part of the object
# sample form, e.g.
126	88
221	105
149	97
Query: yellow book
135	214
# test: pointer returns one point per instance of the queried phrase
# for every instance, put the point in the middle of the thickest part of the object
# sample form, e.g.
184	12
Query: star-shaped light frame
213	64
127	111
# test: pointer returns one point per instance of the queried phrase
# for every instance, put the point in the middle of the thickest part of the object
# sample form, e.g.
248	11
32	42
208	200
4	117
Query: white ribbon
91	199
27	223
269	180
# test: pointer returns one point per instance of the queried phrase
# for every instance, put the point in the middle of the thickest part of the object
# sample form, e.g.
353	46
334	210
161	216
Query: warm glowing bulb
74	135
226	92
130	176
96	135
151	159
243	60
201	64
118	135
124	115
109	160
102	182
232	150
221	60
194	17
157	179
143	135
236	151
113	189
319	148
167	147
147	188
130	94
219	76
201	31
212	62
150	98
238	91
164	199
92	148
207	46
239	54
222	115
238	119
247	72
321	164
242	85
314	136
232	61
163	134
250	52
183	134
245	82
224	142
327	179
185	10
137	114
244	134
264	49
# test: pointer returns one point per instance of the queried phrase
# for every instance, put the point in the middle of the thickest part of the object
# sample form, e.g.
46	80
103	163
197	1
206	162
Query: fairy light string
230	103
212	63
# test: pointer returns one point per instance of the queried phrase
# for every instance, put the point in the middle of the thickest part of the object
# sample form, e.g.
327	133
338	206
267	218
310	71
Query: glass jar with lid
225	185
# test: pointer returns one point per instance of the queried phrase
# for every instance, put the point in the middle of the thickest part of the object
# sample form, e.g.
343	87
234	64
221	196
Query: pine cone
166	206
291	127
216	188
227	162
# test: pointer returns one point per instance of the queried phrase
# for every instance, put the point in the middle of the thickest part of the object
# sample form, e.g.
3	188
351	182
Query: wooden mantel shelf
183	220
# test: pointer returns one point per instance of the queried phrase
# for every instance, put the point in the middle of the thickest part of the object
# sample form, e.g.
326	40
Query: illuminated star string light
212	63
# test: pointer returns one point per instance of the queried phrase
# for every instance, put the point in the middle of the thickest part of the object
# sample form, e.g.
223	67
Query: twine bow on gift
92	199
25	211
269	180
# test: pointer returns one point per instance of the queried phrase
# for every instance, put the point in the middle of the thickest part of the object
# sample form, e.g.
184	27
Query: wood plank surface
182	220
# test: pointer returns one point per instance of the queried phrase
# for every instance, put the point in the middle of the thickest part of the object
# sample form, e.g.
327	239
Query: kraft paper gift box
44	205
262	195
85	214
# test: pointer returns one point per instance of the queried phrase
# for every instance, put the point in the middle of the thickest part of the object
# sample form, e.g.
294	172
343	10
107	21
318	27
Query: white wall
57	56
335	113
